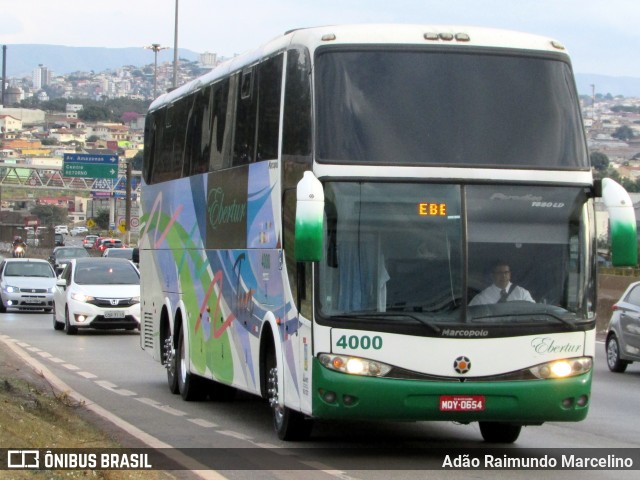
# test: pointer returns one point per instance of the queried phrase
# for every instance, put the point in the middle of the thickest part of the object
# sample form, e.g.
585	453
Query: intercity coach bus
319	215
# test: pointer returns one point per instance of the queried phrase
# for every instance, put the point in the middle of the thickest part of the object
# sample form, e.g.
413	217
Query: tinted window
270	86
106	273
428	107
634	296
245	124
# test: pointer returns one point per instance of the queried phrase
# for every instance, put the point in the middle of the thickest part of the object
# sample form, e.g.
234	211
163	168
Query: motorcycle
18	251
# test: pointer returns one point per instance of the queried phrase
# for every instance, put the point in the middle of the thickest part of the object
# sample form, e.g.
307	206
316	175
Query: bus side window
269	99
219	124
196	148
245	120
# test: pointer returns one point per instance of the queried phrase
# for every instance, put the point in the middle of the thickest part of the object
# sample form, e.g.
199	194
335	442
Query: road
110	370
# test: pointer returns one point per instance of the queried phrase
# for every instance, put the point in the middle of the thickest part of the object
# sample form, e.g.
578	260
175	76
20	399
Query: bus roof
374	34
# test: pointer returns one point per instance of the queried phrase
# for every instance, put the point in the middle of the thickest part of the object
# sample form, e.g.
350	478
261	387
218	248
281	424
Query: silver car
26	284
623	333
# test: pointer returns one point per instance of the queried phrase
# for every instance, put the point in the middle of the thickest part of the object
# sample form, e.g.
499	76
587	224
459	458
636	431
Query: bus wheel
614	362
190	386
497	432
288	424
170	363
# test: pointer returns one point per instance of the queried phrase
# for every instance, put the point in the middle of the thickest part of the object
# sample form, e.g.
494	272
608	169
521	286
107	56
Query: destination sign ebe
81	165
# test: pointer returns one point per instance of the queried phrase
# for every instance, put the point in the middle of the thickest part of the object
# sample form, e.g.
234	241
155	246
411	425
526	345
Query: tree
102	219
623	133
50	215
599	161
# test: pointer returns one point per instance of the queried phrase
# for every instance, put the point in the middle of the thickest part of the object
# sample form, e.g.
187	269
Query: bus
320	213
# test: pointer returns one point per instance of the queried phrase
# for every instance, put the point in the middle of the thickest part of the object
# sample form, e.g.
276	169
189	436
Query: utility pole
155	47
127	203
175	50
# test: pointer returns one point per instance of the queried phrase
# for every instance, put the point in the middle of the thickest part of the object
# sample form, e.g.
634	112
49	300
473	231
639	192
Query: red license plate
462	403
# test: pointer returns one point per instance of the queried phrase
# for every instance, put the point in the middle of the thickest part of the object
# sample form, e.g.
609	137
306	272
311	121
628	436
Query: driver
502	290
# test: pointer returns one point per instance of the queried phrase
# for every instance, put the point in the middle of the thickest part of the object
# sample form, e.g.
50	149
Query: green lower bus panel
342	396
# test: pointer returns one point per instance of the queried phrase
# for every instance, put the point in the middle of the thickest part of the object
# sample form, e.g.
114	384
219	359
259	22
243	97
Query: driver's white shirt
491	294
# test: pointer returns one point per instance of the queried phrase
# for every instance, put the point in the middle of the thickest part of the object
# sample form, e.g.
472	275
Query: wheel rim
278	410
612	352
183	364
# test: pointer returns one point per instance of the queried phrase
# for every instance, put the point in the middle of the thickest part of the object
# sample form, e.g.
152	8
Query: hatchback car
26	284
110	243
125	252
623	333
63	255
97	292
88	241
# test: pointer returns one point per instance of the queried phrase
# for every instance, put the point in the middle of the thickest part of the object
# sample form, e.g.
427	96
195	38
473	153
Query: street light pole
156	48
175	50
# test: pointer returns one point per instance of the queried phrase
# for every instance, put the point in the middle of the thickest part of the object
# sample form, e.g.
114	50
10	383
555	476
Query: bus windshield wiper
423	321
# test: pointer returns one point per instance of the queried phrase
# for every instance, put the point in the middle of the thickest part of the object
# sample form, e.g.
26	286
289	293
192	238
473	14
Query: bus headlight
354	365
567	367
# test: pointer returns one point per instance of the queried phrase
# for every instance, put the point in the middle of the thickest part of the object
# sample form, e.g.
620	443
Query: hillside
62	60
23	59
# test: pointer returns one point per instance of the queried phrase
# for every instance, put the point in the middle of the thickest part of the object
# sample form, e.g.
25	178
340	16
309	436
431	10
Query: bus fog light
567	402
329	397
582	401
348	400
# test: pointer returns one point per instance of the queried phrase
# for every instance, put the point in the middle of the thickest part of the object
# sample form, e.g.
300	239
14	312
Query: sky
602	37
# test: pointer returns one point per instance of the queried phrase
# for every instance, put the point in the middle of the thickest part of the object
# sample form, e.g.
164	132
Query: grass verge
35	417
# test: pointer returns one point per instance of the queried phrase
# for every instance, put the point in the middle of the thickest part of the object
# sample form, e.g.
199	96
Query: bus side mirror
622	224
309	219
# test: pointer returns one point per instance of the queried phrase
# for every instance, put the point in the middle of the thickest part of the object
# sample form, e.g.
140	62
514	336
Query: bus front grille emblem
462	364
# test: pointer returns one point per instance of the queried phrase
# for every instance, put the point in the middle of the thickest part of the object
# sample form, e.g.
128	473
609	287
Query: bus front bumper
342	396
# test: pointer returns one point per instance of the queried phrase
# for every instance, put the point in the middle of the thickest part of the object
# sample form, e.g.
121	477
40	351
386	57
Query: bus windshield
429	107
422	252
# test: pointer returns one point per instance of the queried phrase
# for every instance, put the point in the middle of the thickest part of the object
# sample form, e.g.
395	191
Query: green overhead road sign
90	166
87	170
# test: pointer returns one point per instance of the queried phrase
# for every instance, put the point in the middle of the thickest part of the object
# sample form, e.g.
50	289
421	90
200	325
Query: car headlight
566	367
80	297
10	289
354	365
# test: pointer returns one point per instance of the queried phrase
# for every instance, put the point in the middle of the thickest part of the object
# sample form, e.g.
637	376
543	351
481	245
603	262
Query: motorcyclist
18	242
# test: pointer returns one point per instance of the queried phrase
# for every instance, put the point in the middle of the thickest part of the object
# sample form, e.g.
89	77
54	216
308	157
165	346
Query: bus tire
614	362
288	424
191	387
499	432
170	361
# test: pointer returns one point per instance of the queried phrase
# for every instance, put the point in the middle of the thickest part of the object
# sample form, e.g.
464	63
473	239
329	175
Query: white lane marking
238	435
112	387
203	423
164	408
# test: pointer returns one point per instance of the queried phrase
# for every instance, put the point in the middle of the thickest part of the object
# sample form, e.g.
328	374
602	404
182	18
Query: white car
97	292
26	284
78	231
61	229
